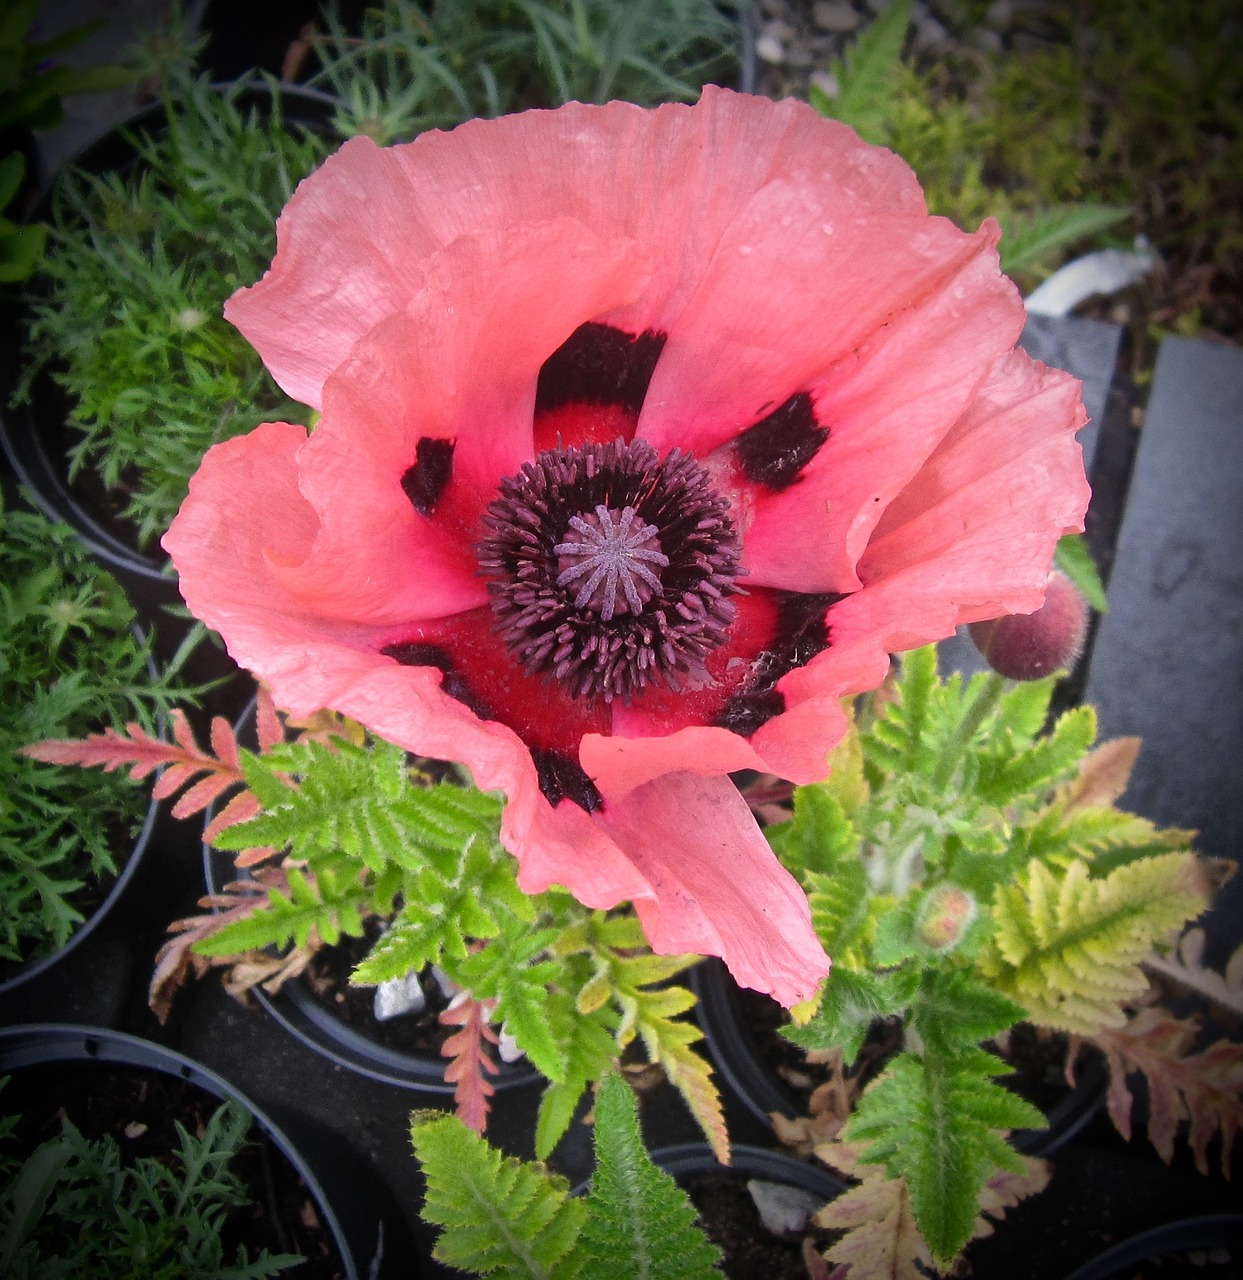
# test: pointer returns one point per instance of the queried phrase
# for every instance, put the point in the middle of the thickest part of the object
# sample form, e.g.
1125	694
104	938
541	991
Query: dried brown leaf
1104	774
1204	1088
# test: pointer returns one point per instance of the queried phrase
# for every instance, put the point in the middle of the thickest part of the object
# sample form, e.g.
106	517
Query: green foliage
1069	945
69	662
75	1208
933	1120
505	1218
865	77
127	307
501	1217
639	1225
32	80
967	873
949	142
1075	560
20	247
407	70
336	830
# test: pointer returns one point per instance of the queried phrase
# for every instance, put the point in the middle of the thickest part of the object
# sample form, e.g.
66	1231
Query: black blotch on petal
561	777
424	482
598	364
801	633
417	654
778	447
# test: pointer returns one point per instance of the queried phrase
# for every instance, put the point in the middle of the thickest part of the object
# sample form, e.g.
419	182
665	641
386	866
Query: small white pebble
826	82
783	1210
835	15
769	50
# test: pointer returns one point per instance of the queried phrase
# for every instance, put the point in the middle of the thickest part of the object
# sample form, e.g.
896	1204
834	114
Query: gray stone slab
1168	660
1088	349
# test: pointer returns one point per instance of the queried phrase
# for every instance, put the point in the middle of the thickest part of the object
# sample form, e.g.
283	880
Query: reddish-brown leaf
204	792
243	806
469	1060
223	743
267	722
1205	1088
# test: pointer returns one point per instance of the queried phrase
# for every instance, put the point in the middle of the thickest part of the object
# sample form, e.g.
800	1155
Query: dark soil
729	1216
139	1110
328	979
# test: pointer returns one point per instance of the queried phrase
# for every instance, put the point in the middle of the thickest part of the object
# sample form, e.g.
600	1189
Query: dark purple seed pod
1030	646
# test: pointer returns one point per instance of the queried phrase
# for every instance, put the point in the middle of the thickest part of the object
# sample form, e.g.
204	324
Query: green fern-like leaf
905	737
587	1040
819	838
850	1002
640	1225
324	906
864	78
1029	771
934	1121
510	971
1030	240
500	1217
953	1012
1068	947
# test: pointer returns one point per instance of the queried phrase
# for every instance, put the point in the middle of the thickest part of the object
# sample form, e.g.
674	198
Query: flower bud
1030	646
944	917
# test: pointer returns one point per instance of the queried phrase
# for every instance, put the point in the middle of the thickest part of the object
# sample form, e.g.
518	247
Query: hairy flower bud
944	917
1030	646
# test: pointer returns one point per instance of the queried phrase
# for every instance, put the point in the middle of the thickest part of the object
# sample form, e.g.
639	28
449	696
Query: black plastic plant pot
318	1026
17	976
1165	1246
35	435
734	1050
354	1224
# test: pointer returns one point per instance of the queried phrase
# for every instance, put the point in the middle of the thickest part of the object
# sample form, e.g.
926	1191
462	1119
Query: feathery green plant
69	661
407	70
967	870
502	1217
126	310
946	141
335	830
76	1207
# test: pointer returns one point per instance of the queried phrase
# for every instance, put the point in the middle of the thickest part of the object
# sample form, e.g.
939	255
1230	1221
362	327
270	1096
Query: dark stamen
598	364
426	480
778	447
610	567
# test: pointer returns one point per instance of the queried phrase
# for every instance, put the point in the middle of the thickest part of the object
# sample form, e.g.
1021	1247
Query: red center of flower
610	568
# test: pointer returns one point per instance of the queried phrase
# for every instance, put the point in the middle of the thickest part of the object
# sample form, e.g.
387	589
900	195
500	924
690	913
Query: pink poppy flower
646	436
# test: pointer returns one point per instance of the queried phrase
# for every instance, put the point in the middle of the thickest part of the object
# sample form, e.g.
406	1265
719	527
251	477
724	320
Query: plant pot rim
308	1020
25	447
733	1055
38	1043
1208	1232
142	842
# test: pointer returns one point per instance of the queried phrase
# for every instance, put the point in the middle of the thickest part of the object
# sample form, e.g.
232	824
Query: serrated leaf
1031	240
1068	946
819	838
933	1121
864	77
849	1004
1074	559
640	1224
1029	771
500	1217
954	1012
590	1051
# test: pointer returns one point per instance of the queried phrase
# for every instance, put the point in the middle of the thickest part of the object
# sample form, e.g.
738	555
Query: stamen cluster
610	567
